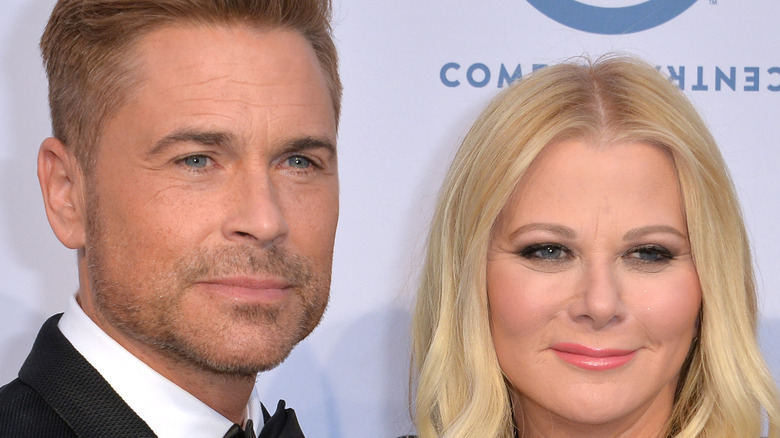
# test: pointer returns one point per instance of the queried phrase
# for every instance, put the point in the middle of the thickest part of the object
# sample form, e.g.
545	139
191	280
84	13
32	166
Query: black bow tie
283	424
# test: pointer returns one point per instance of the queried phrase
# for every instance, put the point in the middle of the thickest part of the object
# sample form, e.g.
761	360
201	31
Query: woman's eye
651	254
546	251
196	161
298	162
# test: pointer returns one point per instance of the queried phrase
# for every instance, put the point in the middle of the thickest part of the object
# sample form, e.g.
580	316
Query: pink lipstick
594	359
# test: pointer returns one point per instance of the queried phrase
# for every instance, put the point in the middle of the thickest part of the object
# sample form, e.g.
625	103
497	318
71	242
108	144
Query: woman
588	271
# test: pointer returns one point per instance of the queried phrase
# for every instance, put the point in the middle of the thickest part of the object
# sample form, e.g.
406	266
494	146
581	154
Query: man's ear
62	185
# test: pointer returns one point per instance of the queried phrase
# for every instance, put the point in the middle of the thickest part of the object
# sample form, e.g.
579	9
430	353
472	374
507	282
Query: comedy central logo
611	20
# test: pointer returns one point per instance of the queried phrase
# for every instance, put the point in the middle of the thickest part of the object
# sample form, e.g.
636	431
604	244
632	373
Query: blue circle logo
611	21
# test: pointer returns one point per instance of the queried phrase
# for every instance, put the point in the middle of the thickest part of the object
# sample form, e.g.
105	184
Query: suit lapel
75	390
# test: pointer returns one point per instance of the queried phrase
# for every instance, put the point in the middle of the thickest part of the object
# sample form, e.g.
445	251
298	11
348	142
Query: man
193	168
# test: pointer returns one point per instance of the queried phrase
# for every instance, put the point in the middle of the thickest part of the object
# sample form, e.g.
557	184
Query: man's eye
196	161
299	162
545	251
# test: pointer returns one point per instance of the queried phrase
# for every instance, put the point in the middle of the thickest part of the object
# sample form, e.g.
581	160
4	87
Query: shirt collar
169	410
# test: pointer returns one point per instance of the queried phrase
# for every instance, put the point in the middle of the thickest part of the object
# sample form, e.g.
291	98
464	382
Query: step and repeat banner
416	74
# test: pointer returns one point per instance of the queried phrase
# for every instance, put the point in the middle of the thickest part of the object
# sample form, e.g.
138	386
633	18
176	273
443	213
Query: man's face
213	204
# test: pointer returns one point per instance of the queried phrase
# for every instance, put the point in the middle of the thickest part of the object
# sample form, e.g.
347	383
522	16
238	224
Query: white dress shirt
169	410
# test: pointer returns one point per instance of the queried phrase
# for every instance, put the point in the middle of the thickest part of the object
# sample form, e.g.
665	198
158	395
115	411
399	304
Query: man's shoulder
57	387
24	413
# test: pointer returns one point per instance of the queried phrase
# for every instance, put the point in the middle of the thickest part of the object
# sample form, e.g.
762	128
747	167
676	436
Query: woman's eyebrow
638	233
560	230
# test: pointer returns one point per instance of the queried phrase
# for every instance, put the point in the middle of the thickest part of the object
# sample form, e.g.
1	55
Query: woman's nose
599	298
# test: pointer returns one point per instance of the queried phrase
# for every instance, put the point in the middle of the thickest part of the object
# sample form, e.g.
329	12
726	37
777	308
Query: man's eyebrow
306	143
206	138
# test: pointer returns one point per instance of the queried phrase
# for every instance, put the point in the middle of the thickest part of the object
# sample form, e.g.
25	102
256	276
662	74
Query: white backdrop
401	123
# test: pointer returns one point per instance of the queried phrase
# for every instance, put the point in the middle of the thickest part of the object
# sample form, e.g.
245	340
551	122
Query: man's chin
242	351
241	368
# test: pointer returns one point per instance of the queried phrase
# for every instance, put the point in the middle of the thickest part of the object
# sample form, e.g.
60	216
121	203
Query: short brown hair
87	43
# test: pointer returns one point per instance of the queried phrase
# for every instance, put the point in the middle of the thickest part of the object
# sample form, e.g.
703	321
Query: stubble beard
159	319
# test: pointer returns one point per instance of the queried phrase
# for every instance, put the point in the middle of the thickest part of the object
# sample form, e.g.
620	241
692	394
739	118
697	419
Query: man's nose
599	299
256	215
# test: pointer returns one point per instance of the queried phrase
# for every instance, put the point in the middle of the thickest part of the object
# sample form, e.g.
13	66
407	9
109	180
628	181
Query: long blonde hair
460	390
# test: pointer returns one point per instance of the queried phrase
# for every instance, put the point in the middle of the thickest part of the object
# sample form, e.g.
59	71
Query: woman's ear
62	185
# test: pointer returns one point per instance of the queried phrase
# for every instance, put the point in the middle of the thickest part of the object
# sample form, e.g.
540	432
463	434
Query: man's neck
227	395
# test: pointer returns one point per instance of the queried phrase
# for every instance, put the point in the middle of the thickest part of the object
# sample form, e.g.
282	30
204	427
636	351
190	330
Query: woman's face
592	290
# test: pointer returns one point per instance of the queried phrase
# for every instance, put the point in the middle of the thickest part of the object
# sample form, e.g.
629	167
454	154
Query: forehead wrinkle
239	101
198	82
228	82
603	210
251	83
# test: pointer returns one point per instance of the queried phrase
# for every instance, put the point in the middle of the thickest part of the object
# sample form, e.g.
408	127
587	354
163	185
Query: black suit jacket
59	394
